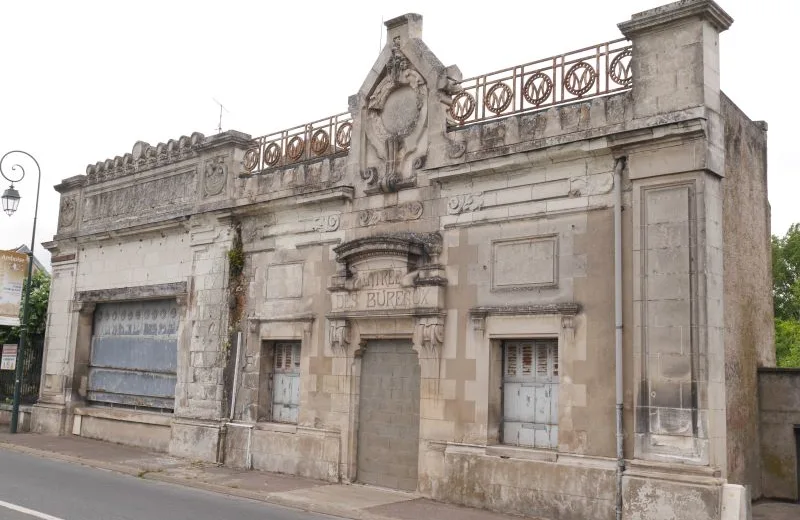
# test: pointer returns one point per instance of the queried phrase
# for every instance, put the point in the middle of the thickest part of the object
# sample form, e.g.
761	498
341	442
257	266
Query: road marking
31	512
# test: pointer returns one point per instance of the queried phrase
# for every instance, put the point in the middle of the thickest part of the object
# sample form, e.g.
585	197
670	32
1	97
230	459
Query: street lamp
10	202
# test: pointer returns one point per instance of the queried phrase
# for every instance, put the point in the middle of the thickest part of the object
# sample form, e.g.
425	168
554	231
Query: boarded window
286	381
134	354
530	393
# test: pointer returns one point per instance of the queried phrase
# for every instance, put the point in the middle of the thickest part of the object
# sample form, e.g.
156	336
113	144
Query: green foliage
236	262
786	296
786	274
37	313
787	342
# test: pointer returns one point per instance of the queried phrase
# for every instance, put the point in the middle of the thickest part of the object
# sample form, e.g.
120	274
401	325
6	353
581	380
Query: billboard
13	268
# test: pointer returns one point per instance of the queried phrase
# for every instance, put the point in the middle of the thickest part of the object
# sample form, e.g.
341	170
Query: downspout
248	455
619	165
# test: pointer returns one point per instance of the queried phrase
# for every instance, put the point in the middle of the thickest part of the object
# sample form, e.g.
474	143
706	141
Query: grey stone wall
779	406
749	328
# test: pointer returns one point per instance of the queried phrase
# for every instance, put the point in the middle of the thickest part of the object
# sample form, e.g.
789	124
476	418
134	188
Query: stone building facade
422	293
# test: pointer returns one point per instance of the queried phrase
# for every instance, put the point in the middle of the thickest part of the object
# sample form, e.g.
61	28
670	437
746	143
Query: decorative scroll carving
143	157
326	224
429	335
406	211
66	214
465	202
456	149
214	176
141	198
339	333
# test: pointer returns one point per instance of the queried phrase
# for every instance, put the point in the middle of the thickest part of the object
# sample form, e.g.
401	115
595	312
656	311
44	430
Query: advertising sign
13	267
8	360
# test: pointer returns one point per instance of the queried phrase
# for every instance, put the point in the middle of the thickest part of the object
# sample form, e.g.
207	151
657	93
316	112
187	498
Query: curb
154	475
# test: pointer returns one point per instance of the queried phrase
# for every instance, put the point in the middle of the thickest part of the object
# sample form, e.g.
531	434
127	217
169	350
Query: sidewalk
348	501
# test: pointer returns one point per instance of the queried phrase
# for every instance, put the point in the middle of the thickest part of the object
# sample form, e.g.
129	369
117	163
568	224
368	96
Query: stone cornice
674	12
71	183
563	309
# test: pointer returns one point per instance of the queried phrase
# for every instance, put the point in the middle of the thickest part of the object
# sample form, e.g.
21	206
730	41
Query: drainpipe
236	375
619	165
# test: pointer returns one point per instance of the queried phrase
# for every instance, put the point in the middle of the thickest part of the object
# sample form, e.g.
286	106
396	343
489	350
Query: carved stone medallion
215	175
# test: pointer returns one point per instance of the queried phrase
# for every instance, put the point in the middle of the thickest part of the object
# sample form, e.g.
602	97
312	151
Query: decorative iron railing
586	73
313	140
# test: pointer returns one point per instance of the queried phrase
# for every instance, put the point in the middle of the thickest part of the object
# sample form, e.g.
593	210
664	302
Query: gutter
619	165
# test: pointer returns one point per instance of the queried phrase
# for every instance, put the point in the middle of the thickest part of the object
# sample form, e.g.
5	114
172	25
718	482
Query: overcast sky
82	81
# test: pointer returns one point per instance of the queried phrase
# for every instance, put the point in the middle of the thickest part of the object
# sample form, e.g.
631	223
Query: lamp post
10	202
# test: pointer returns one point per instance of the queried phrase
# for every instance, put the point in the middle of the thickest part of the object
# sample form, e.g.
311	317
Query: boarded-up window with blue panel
286	382
134	355
530	393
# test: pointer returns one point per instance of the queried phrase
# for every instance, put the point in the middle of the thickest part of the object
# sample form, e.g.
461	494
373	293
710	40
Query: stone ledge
135	416
517	452
569	308
330	194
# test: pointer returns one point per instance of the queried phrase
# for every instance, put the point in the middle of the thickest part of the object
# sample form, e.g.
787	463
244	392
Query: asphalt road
36	488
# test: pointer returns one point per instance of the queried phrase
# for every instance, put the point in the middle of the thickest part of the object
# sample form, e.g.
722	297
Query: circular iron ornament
343	134
320	142
272	154
250	160
294	150
621	72
498	97
462	107
580	78
537	94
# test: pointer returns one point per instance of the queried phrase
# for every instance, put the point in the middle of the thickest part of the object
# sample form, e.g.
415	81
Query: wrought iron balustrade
317	139
583	74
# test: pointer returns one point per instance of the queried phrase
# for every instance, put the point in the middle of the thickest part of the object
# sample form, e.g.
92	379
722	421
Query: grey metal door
388	432
134	354
286	387
530	393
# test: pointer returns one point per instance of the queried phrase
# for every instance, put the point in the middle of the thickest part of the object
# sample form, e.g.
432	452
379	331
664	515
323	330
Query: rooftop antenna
221	108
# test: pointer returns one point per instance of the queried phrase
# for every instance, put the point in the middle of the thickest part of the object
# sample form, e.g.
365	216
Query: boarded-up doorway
388	433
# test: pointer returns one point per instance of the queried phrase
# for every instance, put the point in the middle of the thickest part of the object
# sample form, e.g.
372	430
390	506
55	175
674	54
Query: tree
786	296
37	313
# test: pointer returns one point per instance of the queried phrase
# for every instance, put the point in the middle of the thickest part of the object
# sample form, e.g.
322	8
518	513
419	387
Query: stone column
61	337
677	236
204	344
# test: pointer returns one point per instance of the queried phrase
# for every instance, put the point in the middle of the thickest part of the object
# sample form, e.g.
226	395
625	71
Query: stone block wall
779	409
749	327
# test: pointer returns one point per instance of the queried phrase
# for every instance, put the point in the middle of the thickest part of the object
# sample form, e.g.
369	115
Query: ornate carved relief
406	211
456	149
339	333
396	119
66	214
429	335
141	198
214	176
326	224
465	202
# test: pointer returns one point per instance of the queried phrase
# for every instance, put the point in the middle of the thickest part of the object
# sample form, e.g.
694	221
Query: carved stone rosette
66	214
339	334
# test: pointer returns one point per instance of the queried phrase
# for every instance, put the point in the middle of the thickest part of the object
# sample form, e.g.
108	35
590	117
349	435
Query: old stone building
452	288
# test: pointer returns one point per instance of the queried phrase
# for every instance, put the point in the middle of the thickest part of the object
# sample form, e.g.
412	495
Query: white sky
82	81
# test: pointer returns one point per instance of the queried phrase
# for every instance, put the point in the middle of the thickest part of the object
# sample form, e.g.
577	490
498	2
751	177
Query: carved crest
396	120
215	175
66	214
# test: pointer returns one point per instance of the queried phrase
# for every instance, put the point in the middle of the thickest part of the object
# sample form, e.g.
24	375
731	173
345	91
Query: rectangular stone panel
668	299
525	263
285	281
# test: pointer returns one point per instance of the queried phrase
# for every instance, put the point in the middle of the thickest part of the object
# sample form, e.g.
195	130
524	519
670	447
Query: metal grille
574	76
286	382
530	393
31	373
134	354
